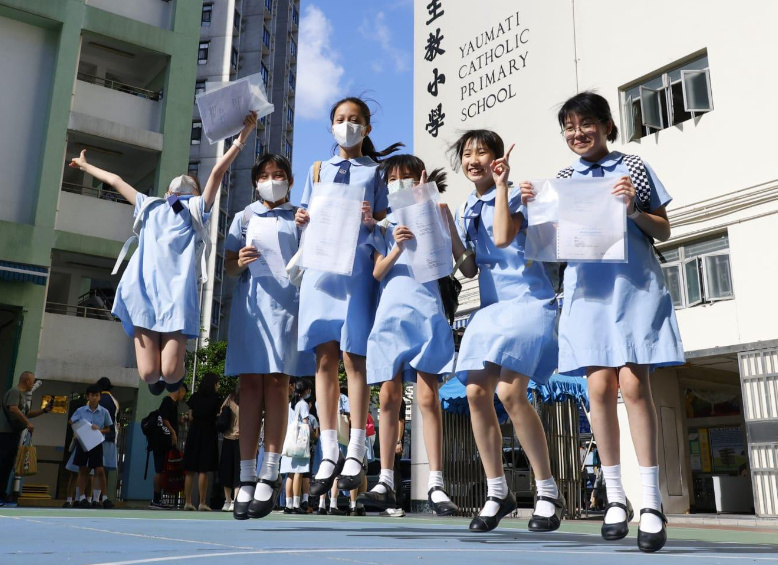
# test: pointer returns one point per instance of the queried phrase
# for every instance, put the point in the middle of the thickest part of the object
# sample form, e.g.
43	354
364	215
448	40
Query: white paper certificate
592	222
429	252
262	233
222	111
330	239
86	436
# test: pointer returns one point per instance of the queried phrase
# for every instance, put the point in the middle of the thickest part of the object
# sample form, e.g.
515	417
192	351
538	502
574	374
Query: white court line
305	552
129	534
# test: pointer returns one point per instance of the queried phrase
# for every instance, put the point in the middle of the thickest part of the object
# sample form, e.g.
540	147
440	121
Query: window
699	272
287	149
222	222
293	48
667	99
199	88
265	74
295	16
197	132
236	20
194	168
292	80
269	5
215	313
265	37
205	19
260	149
202	52
234	59
289	117
218	266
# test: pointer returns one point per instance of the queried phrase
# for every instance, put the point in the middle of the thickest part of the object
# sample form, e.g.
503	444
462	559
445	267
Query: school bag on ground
173	471
157	435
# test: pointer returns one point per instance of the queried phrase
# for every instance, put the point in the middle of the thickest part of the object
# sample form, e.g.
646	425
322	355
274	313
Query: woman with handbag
227	423
296	457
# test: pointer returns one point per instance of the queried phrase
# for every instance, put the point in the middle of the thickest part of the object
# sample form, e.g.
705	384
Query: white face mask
400	184
348	134
273	190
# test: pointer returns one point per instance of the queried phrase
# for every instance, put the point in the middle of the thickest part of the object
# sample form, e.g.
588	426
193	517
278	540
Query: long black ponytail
368	149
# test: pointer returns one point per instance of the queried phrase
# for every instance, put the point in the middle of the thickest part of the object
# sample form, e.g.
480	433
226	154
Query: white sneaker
232	506
226	507
393	513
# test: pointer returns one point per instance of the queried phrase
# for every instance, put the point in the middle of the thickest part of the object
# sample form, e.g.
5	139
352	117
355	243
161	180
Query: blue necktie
343	176
597	170
474	215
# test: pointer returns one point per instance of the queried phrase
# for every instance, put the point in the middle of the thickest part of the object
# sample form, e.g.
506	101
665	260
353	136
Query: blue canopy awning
453	395
21	272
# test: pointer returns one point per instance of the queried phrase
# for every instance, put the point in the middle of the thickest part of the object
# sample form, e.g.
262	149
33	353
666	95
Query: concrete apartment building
115	78
685	88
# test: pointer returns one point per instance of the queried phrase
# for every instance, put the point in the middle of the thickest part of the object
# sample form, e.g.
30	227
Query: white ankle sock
289	501
387	477
546	487
323	501
652	498
248	470
304	498
615	491
295	502
436	480
96	495
352	504
329	450
333	502
356	449
269	471
497	487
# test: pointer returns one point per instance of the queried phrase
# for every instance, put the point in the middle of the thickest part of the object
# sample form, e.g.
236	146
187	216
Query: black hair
185	386
484	137
279	160
368	149
415	166
104	383
207	386
588	104
299	390
93	389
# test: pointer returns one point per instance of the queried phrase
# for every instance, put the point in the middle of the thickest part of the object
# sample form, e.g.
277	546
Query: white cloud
318	72
377	30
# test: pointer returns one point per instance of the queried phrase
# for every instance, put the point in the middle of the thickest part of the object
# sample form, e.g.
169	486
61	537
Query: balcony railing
101	193
80	311
120	86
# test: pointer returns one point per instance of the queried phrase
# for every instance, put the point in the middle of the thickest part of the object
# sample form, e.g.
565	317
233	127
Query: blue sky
352	47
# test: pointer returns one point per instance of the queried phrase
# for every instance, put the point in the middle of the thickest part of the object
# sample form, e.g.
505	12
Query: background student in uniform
168	411
262	344
91	460
295	467
201	452
110	456
157	298
511	339
336	311
411	340
229	458
631	308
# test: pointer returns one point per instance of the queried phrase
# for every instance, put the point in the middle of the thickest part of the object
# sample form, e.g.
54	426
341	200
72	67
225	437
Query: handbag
224	419
26	459
344	429
17	425
296	443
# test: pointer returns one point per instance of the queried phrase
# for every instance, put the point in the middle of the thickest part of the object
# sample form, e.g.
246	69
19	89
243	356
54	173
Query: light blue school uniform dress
515	327
411	332
339	307
264	313
617	313
158	290
296	464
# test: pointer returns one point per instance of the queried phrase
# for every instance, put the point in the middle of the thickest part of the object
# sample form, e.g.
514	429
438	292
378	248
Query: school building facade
114	78
689	97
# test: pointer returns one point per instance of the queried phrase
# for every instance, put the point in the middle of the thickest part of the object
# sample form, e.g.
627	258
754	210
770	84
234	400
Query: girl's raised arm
506	225
217	174
111	179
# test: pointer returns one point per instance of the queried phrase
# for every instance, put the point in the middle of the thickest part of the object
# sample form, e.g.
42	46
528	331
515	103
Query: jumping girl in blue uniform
262	345
511	339
411	336
157	299
618	321
336	311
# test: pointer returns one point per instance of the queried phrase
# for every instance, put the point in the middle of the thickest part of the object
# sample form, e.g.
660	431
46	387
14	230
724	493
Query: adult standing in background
201	452
13	421
229	462
110	457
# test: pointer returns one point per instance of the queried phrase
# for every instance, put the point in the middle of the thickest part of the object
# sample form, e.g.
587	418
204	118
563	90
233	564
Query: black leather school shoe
350	482
323	486
488	523
651	542
241	509
444	508
549	523
619	530
382	500
261	508
157	388
173	387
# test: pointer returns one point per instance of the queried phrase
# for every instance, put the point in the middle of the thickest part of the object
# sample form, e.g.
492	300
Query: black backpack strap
639	176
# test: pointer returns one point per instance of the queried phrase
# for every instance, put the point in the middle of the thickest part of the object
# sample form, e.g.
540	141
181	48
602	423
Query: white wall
114	106
94	217
29	54
153	12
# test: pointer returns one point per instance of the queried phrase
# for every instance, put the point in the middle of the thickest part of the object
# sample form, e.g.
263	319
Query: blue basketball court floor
130	537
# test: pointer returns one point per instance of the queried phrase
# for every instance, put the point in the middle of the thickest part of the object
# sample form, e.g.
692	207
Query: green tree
210	359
